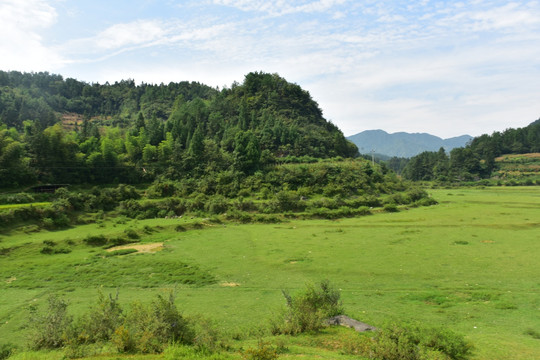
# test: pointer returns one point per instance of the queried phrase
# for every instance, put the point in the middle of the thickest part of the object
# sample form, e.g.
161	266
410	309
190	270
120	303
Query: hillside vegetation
126	133
483	158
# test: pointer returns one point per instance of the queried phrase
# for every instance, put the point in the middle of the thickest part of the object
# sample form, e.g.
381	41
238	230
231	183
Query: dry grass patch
142	248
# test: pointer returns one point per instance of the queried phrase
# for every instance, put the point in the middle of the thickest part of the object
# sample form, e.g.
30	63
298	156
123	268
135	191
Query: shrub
403	342
148	329
308	310
290	201
102	319
241	216
390	208
49	330
207	338
6	350
161	189
50	250
217	205
428	201
95	240
132	234
20	198
263	351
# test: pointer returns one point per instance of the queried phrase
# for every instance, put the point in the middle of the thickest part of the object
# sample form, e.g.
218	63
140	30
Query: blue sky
443	67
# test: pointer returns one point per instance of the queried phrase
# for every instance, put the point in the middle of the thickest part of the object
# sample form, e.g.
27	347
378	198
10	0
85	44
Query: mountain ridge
403	144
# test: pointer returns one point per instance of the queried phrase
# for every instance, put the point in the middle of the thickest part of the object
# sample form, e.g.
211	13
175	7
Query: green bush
148	329
428	201
404	342
390	208
207	339
308	310
6	350
217	205
100	322
263	351
49	330
20	198
50	250
132	234
95	240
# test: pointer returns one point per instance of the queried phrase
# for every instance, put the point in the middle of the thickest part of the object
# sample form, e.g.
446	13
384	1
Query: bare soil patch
142	248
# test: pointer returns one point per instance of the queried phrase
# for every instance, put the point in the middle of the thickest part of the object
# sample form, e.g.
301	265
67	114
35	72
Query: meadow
469	263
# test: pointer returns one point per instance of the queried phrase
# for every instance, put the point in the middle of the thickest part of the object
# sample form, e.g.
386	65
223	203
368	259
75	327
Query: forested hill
477	159
402	144
63	130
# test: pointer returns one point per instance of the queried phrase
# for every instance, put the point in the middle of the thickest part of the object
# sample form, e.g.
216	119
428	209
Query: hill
60	130
403	144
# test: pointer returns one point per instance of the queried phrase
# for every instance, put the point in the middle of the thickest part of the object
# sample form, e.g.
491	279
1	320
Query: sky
446	68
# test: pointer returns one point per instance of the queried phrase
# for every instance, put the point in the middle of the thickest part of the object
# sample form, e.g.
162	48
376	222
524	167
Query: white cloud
281	7
21	43
130	34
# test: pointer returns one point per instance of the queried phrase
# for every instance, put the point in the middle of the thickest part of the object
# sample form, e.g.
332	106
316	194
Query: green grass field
470	263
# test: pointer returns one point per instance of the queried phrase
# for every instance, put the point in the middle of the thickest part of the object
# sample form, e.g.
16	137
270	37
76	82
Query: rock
344	320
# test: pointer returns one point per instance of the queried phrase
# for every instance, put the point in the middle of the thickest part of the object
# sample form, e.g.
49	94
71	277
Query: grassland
469	263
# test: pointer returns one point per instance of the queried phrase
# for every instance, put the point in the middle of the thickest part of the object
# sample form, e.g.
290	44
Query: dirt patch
11	279
229	284
142	248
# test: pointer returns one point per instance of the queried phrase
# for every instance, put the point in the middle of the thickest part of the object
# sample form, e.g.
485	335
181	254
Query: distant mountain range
402	144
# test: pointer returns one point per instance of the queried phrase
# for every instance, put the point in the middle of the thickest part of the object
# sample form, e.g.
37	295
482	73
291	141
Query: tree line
129	133
474	161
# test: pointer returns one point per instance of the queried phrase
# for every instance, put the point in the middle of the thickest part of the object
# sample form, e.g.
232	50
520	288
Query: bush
20	198
390	208
148	329
49	330
50	250
308	310
403	342
6	350
161	189
217	205
428	201
242	216
290	201
132	234
101	321
263	351
207	338
95	240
